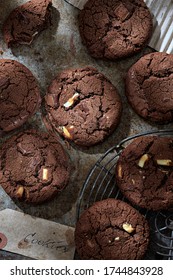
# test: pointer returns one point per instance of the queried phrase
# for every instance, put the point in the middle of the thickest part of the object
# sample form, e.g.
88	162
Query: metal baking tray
57	48
101	184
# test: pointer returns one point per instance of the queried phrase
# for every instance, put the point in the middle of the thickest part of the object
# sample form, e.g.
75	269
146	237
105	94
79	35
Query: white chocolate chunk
117	238
164	162
119	171
71	100
66	132
20	191
128	227
45	174
143	160
133	181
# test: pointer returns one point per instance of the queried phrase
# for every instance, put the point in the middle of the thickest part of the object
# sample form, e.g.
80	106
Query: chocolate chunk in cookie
149	87
19	95
114	29
83	106
144	172
33	167
26	21
111	230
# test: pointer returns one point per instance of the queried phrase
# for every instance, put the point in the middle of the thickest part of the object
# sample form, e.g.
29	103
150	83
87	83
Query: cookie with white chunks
144	172
26	21
114	29
34	167
149	87
111	230
19	95
83	106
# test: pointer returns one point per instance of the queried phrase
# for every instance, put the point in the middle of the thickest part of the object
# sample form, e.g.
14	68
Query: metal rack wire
101	184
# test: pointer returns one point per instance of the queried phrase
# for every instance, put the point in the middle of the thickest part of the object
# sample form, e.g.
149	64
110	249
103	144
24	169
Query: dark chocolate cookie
26	21
149	87
83	106
33	167
19	95
115	28
111	230
144	172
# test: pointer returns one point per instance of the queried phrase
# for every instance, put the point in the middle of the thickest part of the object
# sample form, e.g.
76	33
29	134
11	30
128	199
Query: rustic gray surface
55	49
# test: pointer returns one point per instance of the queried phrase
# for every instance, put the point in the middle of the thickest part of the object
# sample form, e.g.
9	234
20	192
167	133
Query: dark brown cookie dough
149	87
144	172
115	28
26	21
19	95
33	167
83	106
111	230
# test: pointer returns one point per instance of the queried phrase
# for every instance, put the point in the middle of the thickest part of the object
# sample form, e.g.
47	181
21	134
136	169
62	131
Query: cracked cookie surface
83	106
26	21
149	87
114	29
144	172
34	167
110	230
19	95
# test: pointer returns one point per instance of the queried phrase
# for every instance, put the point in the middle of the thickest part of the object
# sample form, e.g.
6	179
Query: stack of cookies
82	106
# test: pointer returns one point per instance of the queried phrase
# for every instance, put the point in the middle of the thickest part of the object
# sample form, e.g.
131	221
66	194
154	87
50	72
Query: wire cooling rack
101	184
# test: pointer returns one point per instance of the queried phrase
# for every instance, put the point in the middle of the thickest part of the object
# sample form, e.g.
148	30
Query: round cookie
111	230
144	172
115	29
33	167
19	95
26	21
149	87
83	106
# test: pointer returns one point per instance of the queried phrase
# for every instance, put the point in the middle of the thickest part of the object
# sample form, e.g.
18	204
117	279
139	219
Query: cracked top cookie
19	95
33	167
114	29
83	106
144	172
149	87
111	230
26	21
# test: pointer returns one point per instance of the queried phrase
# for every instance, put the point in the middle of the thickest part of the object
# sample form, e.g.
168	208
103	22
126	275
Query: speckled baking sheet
57	48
